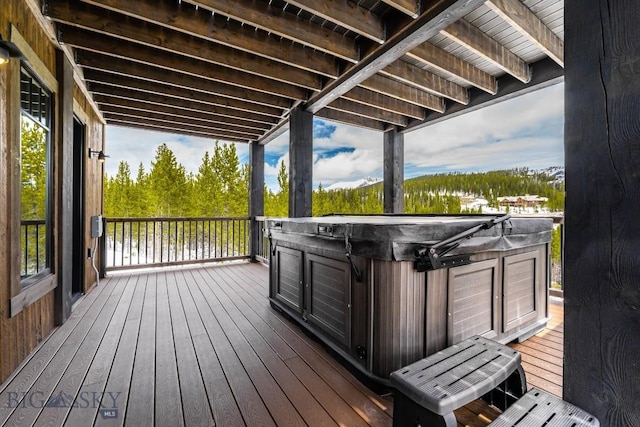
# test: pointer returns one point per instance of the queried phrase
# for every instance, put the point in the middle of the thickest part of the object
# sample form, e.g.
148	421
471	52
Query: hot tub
385	291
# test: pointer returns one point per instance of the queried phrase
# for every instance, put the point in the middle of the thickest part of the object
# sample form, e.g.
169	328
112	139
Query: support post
64	161
602	156
256	196
300	163
393	171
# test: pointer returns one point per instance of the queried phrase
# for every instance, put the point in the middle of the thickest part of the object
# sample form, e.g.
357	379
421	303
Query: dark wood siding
93	183
34	318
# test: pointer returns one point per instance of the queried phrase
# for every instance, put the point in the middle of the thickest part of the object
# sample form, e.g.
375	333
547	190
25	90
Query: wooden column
393	171
300	162
602	231
256	195
64	178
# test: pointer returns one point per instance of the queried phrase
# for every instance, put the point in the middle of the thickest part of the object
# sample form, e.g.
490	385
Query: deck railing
33	244
146	242
262	250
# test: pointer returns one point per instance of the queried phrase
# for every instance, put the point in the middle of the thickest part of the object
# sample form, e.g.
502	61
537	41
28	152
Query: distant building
526	201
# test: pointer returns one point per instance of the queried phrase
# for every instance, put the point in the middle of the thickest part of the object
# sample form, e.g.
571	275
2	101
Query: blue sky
526	131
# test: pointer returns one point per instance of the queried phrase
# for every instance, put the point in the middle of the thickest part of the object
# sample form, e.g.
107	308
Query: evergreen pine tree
167	181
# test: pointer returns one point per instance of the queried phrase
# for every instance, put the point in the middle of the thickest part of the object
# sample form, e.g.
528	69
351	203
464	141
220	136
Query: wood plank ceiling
234	69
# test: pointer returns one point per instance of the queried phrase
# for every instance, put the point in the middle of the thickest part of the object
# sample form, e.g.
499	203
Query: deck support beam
64	160
300	162
256	195
393	142
442	14
601	290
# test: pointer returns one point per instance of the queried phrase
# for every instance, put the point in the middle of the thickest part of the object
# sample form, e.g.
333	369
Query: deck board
167	396
202	346
195	403
253	409
371	406
280	407
142	388
86	336
308	407
117	389
29	372
222	402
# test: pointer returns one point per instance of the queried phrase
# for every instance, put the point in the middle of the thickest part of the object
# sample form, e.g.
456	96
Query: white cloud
505	135
273	170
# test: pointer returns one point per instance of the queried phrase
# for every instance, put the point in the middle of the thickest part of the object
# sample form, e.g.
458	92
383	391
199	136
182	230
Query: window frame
28	281
20	298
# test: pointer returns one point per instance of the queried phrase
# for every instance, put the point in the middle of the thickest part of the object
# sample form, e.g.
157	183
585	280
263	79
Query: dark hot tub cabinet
385	291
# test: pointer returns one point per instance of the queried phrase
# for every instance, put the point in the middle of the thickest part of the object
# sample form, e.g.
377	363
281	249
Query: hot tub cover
396	238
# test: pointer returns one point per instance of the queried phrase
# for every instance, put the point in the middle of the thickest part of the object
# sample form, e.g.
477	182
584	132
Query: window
35	174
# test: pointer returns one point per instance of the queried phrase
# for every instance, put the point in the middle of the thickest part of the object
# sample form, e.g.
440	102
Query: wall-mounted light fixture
8	50
94	154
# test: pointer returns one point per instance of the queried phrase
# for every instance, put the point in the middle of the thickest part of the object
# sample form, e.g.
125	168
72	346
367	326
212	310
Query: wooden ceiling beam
472	38
122	67
363	110
347	14
426	80
410	7
139	124
520	17
110	102
154	99
397	90
93	42
200	23
384	102
170	118
285	24
98	80
158	98
351	119
95	19
439	15
438	58
161	120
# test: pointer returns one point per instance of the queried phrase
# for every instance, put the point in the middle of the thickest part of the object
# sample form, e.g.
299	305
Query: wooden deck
201	346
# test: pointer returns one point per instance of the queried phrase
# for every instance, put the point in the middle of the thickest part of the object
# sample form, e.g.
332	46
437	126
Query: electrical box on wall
96	226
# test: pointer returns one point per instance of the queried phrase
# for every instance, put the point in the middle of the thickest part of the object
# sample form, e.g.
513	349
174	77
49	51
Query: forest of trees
221	185
220	188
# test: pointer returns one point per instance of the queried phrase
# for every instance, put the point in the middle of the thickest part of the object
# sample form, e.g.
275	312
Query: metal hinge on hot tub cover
433	257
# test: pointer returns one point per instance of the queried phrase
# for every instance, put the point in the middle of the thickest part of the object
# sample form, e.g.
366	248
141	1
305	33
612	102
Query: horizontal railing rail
155	242
33	243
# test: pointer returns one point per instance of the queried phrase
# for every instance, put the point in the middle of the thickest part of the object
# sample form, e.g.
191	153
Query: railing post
256	196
